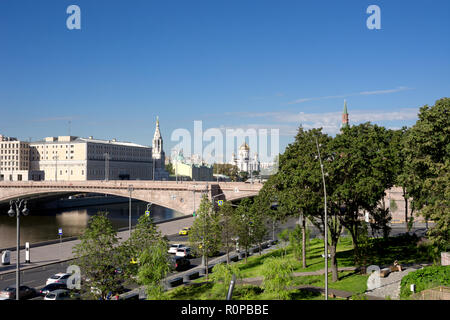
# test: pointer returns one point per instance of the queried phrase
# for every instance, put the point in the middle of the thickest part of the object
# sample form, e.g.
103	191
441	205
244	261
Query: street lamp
193	192
56	167
130	190
18	204
217	195
106	155
326	223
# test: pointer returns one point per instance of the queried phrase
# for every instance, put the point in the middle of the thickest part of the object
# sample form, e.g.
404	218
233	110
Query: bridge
183	196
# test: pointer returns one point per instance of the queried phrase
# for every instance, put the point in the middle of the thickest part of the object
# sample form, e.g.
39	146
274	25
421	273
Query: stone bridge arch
183	197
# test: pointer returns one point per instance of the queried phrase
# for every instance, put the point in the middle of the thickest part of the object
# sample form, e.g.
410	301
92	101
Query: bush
221	275
428	277
359	296
278	276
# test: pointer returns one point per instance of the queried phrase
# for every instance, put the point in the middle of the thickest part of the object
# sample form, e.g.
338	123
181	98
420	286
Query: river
41	225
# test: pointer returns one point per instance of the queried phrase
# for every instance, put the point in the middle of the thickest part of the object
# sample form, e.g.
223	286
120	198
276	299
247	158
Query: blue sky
232	64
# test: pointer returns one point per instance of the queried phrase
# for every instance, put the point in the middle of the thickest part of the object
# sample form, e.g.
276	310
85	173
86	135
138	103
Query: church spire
345	115
157	135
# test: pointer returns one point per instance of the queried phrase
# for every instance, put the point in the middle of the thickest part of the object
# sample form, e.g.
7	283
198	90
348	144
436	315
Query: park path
390	286
333	293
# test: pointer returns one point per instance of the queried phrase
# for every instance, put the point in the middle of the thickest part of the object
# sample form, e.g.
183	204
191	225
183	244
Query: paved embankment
55	252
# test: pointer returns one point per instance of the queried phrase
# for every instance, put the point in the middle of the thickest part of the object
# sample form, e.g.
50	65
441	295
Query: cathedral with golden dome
244	162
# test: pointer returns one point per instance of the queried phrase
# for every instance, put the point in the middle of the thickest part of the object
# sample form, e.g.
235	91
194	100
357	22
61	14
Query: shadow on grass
248	292
256	260
304	294
191	291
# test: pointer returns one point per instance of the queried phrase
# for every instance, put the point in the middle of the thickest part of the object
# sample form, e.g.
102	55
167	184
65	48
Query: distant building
191	171
244	162
72	158
14	159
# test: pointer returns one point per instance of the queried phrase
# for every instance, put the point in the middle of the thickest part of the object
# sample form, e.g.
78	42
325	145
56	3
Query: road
36	277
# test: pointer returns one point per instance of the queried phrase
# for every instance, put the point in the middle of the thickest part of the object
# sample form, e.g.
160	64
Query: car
184	231
174	247
184	252
51	287
24	292
180	263
61	294
58	278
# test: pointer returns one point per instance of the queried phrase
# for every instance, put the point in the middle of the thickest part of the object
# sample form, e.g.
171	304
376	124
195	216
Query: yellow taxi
184	231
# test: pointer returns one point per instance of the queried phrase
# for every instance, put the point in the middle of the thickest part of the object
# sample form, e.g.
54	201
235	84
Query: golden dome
244	146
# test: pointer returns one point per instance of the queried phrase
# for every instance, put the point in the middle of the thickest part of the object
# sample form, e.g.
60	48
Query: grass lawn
381	252
314	259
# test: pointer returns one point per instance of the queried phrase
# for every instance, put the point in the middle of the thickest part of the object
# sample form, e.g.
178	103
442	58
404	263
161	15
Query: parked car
180	263
184	231
51	287
174	247
184	252
24	292
58	278
61	294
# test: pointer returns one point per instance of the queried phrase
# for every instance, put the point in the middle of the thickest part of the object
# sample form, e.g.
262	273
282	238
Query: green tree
227	227
427	149
142	237
300	187
259	215
227	169
401	167
361	170
243	175
295	241
284	236
222	275
268	202
170	169
153	267
243	222
278	276
97	256
205	233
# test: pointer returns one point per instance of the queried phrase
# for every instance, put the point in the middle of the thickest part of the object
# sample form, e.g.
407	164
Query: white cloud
288	122
362	93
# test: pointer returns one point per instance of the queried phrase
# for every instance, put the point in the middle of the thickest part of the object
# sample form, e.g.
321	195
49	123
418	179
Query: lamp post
18	204
193	193
56	167
326	223
106	155
130	190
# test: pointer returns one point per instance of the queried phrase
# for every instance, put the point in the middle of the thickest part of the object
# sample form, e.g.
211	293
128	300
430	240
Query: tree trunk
206	266
303	241
334	265
406	206
228	249
273	229
246	248
354	235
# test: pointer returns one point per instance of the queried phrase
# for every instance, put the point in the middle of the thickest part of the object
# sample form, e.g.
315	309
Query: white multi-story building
244	162
14	159
70	158
73	158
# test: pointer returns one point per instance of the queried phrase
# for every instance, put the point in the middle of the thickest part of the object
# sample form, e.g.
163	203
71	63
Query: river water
42	225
